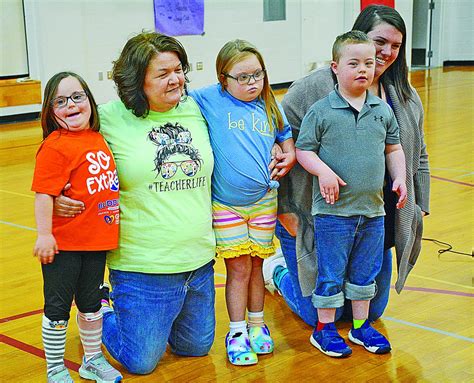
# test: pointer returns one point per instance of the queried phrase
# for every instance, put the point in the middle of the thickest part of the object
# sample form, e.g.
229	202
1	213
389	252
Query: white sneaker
100	370
269	265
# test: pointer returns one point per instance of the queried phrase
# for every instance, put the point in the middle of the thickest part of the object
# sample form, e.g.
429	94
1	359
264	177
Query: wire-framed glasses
244	78
76	97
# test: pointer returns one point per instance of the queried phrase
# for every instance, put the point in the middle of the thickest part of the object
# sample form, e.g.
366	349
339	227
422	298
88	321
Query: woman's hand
67	207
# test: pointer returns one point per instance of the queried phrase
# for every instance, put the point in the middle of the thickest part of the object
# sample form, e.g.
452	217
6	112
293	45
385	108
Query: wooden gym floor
430	325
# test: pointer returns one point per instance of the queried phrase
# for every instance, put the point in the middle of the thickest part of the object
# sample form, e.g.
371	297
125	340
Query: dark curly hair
130	68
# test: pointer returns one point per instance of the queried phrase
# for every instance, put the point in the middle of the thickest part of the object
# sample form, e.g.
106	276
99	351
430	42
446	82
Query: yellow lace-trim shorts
242	230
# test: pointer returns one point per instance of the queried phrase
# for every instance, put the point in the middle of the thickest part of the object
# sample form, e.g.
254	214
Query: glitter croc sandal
239	351
260	340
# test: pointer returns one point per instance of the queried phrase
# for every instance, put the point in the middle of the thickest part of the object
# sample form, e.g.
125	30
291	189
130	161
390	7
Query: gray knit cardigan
296	188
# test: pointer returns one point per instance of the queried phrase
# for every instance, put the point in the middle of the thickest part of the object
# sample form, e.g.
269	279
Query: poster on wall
366	3
179	17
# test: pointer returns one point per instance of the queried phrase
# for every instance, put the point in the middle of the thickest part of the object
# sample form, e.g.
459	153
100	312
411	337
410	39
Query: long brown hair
397	73
49	121
235	51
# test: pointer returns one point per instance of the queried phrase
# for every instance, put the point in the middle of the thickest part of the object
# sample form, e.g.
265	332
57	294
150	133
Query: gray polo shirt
353	146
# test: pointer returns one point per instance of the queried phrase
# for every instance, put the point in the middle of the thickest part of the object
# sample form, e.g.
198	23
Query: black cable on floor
448	249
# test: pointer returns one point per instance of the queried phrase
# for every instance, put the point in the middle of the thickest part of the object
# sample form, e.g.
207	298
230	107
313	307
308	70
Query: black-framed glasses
76	97
244	78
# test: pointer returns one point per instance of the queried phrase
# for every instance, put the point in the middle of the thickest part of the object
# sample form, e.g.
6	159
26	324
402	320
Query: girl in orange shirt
72	251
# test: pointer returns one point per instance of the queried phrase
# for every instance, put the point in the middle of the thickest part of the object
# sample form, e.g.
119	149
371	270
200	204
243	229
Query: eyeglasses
244	78
188	167
76	97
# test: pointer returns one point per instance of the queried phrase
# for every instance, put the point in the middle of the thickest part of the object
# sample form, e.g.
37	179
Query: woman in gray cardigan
295	278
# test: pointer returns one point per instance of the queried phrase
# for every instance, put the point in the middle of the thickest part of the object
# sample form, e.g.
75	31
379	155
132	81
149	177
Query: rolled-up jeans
152	310
302	306
349	252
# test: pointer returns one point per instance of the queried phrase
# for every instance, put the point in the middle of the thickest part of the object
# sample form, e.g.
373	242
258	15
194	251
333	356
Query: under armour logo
378	118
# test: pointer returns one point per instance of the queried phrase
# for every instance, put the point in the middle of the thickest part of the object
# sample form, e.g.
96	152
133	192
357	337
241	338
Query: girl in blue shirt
244	122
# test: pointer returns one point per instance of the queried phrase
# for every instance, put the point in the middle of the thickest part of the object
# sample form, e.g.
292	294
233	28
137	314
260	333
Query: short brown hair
351	37
130	68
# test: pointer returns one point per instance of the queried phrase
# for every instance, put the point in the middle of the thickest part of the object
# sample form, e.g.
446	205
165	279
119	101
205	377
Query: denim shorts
349	254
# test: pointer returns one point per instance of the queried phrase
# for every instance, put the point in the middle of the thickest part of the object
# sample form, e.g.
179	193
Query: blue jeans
152	310
303	307
349	253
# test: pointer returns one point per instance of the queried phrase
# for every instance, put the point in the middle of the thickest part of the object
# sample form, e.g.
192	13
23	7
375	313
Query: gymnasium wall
87	35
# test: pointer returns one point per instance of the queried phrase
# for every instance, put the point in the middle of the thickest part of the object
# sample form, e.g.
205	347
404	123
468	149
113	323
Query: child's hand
45	248
285	162
329	183
276	150
400	188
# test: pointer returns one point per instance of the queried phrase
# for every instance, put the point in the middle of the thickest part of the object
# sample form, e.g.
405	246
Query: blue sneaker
269	270
370	338
329	342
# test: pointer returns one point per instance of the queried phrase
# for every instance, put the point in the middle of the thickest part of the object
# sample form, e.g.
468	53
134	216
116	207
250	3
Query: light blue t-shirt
241	139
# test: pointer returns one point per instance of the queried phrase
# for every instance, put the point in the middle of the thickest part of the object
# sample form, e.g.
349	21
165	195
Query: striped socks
54	342
90	331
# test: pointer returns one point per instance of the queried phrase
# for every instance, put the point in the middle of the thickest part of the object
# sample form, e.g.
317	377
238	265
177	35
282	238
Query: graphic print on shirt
103	178
174	140
251	121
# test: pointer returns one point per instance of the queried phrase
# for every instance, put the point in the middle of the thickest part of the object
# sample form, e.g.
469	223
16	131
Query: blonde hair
235	51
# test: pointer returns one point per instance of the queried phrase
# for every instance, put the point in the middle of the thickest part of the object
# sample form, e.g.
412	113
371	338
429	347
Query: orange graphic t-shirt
84	160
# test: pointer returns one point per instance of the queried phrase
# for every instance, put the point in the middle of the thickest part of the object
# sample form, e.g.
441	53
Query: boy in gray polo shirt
344	141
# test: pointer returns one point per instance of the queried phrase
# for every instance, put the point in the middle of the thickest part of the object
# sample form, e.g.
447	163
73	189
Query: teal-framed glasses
76	97
244	78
